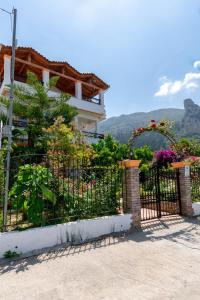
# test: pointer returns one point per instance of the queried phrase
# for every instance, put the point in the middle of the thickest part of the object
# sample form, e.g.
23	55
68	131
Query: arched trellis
162	127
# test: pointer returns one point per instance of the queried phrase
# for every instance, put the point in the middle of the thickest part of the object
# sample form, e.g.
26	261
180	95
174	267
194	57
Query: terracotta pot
177	165
131	163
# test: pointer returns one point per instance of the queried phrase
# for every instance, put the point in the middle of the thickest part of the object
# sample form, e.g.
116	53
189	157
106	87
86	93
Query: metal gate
159	193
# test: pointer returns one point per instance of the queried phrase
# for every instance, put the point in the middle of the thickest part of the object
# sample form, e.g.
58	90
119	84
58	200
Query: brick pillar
185	192
131	195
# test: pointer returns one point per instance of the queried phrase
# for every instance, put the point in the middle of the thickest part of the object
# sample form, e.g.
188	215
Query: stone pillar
131	195
185	191
7	69
45	78
78	90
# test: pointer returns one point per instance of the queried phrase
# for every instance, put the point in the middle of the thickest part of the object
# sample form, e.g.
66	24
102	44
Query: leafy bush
65	142
30	191
11	254
109	151
185	148
94	192
77	194
145	155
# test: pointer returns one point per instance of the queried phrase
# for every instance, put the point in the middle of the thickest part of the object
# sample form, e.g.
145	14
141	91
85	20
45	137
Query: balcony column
7	69
78	90
101	97
45	78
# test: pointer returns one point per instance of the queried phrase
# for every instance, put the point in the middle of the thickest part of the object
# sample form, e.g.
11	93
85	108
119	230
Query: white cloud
190	81
163	79
192	85
164	89
196	64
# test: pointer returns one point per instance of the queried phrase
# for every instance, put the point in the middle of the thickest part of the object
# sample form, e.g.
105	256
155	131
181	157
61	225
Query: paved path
160	262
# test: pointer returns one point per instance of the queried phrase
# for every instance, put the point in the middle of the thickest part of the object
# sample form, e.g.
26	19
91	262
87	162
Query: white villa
86	89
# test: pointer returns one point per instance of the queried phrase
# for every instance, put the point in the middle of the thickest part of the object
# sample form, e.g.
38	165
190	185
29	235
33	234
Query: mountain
121	127
191	119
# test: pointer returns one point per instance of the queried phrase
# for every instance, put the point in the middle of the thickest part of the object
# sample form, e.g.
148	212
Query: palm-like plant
33	103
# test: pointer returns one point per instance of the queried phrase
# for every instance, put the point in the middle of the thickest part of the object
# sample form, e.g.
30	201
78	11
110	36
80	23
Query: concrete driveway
162	261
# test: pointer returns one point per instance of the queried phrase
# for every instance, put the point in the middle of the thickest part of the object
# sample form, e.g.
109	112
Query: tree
40	110
145	154
109	151
63	141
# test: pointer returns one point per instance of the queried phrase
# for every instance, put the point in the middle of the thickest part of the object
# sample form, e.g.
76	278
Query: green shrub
109	152
145	154
11	254
93	193
30	191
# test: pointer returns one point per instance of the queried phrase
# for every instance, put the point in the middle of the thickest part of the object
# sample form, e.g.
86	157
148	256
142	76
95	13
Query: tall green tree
33	103
109	151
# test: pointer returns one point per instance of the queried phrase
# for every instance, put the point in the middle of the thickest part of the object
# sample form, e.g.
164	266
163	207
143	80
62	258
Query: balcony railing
20	123
93	134
93	100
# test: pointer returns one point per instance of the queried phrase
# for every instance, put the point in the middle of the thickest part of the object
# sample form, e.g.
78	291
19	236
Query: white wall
88	106
80	231
196	208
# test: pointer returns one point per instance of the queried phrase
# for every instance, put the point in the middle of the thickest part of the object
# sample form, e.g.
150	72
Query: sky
148	51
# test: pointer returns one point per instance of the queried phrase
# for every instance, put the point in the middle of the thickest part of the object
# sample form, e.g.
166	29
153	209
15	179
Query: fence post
185	191
131	194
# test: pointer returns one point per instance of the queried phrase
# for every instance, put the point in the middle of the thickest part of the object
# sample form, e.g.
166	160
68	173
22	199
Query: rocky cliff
191	119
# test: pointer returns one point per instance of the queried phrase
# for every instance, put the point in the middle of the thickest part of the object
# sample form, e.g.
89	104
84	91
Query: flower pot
131	163
177	165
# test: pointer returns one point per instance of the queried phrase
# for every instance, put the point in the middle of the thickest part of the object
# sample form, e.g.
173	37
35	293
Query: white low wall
80	231
196	208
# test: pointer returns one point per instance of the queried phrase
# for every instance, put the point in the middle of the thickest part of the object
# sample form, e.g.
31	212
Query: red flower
153	126
141	129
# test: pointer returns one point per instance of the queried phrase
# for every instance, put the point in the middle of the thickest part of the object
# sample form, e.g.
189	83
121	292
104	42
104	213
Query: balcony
20	123
92	137
93	100
91	105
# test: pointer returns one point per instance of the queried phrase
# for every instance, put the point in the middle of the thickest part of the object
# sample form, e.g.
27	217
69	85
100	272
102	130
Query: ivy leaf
47	194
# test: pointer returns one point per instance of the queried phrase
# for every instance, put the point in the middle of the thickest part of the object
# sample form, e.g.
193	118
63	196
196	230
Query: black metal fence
49	190
195	183
159	193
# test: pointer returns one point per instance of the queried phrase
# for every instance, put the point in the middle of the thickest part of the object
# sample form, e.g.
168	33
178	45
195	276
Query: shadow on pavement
174	228
185	231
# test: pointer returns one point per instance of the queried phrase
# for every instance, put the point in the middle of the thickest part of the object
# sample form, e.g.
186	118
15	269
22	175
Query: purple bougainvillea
164	157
